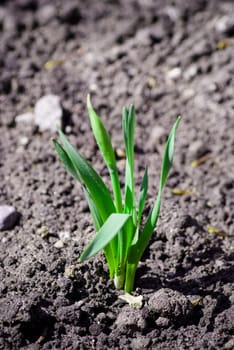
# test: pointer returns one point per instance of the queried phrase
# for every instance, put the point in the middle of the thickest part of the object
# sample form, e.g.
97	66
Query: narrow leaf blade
102	137
108	231
143	194
64	158
92	181
97	220
128	122
104	143
168	154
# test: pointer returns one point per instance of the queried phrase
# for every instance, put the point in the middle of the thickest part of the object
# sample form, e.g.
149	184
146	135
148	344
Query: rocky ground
168	58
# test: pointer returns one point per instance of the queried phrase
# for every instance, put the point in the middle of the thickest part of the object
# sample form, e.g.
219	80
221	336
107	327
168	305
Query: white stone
174	74
24	140
48	113
187	94
25	118
64	236
224	24
59	244
191	72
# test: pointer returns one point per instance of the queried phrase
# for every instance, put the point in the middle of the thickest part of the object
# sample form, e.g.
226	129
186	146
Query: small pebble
8	217
157	135
225	25
151	82
197	149
219	263
46	14
48	113
120	153
70	271
25	118
191	72
68	129
174	74
187	94
93	87
229	345
64	236
59	244
43	231
24	141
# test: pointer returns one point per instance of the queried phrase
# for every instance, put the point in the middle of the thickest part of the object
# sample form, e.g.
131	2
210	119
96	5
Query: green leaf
94	210
108	231
128	124
168	154
90	179
97	220
136	251
97	190
64	158
129	121
102	137
98	224
143	194
104	143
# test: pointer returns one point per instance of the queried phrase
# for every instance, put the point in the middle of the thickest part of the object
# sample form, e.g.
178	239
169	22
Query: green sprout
117	220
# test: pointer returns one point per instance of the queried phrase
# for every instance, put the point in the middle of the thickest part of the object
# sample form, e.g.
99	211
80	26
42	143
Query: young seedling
117	219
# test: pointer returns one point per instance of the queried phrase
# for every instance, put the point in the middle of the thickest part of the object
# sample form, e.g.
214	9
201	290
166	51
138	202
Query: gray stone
142	36
158	135
46	13
48	113
225	25
197	149
229	345
8	217
187	94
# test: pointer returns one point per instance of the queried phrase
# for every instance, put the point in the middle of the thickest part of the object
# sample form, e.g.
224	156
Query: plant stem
130	277
119	281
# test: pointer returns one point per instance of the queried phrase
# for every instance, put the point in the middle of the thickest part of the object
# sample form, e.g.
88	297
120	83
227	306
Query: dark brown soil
121	51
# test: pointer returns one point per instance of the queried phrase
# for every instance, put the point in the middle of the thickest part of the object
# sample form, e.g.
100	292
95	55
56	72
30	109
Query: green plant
118	223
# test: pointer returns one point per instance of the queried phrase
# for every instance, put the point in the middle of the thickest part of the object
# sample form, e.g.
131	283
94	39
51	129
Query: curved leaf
107	232
90	179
